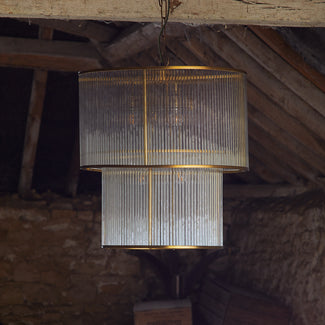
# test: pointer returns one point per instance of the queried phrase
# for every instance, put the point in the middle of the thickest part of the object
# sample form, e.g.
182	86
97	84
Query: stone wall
282	252
53	270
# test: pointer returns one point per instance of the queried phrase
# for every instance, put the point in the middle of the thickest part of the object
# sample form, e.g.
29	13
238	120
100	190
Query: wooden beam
284	155
138	39
269	13
48	55
277	43
279	68
33	123
274	89
262	191
272	161
281	136
263	171
89	29
285	121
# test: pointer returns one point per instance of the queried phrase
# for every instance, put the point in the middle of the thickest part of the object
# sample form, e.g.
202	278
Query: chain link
164	14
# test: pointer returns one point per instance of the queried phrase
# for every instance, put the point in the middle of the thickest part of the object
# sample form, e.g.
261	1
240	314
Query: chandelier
162	138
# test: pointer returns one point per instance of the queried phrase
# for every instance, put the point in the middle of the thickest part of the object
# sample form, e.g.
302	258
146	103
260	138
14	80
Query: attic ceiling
39	60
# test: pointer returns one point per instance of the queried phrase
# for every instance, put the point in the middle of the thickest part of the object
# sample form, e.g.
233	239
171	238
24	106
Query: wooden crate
171	312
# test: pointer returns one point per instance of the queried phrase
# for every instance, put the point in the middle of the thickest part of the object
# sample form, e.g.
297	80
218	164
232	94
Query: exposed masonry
53	269
282	252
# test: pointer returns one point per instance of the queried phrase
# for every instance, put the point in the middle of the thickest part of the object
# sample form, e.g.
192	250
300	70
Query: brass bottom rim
223	168
160	247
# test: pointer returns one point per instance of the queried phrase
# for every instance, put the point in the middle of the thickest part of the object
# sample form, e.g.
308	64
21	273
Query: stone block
86	215
63	214
26	273
12	294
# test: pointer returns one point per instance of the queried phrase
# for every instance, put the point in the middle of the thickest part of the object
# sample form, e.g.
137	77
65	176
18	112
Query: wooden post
33	123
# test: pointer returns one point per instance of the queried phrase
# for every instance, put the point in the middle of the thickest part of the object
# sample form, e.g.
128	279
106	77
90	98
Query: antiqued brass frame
162	247
174	67
225	168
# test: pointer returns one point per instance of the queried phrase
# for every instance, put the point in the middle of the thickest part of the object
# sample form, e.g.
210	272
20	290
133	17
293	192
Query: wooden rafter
33	123
283	154
48	55
276	42
271	12
279	68
285	121
273	162
284	138
263	172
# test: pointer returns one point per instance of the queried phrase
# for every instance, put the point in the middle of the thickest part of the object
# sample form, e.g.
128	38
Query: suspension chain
164	14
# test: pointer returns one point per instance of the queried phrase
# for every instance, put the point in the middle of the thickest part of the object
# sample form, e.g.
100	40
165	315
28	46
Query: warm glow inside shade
162	138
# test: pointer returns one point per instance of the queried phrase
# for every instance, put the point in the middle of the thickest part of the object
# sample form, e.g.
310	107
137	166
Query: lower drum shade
162	207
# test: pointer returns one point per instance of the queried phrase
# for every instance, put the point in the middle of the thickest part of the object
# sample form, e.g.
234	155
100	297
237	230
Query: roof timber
271	12
273	162
277	43
283	154
263	172
276	90
285	121
281	136
279	68
48	55
33	123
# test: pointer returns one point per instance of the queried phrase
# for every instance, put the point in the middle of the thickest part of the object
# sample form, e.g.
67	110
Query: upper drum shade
164	116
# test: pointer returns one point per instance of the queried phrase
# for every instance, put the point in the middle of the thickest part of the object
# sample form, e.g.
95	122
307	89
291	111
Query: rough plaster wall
282	243
53	271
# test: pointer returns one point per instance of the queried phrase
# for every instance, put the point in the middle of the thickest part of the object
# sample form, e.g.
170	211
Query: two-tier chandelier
162	138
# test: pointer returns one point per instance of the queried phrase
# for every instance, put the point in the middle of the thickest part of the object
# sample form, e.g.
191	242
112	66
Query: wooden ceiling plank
268	13
278	67
285	121
262	191
272	162
183	53
83	28
33	123
48	55
283	155
263	172
286	139
278	44
272	87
